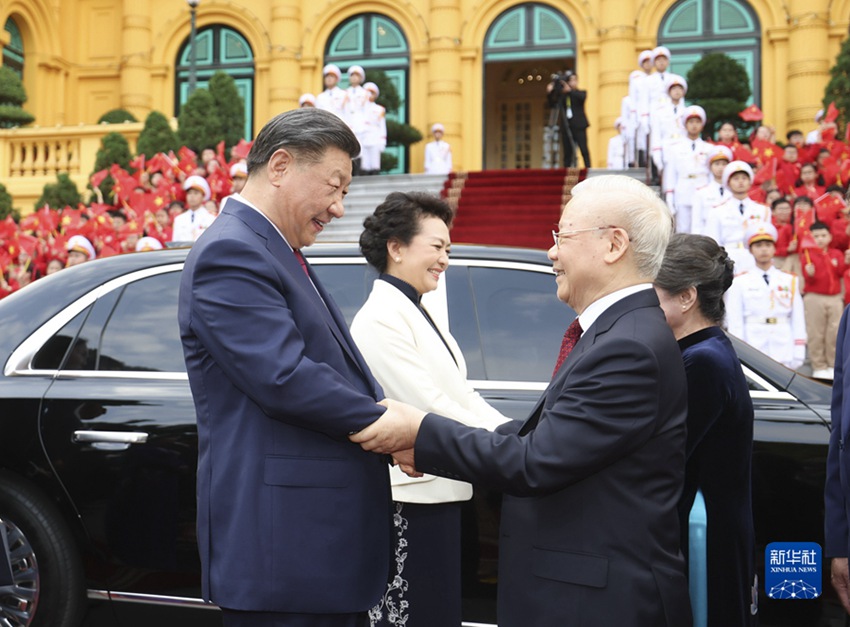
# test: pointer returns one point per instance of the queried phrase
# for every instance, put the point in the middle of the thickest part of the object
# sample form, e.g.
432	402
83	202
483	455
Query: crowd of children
168	198
779	211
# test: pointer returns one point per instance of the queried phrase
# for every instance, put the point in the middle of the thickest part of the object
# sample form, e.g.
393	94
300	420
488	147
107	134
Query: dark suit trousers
234	618
580	140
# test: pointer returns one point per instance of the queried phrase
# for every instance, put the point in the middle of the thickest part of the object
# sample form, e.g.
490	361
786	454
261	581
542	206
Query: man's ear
618	244
280	162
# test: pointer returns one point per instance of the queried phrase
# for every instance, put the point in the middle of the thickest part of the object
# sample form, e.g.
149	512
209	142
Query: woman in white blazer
417	361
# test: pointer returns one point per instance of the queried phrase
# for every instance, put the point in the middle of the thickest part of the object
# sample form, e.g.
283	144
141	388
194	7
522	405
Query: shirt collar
598	307
240	198
403	286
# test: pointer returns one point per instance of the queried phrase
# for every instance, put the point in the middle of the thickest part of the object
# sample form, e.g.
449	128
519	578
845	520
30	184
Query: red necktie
303	263
571	338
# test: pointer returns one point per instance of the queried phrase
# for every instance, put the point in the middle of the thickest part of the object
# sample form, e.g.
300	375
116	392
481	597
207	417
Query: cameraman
563	92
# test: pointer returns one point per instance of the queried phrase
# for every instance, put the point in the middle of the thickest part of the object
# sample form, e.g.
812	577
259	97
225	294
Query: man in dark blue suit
590	529
837	491
293	519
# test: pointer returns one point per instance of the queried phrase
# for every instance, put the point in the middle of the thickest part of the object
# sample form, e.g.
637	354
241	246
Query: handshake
394	433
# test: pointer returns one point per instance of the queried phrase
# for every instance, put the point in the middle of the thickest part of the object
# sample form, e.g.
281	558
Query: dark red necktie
301	260
571	338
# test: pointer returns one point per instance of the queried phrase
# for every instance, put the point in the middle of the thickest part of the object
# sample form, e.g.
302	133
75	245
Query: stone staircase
366	193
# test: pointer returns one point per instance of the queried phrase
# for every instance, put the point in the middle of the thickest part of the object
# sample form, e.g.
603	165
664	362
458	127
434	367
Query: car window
84	353
51	354
349	284
142	332
520	320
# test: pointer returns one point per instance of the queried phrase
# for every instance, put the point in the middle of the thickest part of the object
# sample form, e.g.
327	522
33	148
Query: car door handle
110	440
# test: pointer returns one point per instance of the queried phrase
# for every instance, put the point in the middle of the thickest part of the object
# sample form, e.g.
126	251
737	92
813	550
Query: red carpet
509	207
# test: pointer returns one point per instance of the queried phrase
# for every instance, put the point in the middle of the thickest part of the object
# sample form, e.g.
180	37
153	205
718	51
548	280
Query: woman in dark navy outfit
694	276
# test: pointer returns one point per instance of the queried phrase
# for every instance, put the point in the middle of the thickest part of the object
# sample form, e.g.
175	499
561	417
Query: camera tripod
551	138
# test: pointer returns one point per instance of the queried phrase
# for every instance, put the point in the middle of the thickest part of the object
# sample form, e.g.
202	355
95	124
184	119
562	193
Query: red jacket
829	268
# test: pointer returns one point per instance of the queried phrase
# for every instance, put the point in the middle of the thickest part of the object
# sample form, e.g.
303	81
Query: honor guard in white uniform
665	118
358	98
334	98
618	146
713	192
728	221
638	114
764	306
656	83
438	154
306	100
686	167
374	133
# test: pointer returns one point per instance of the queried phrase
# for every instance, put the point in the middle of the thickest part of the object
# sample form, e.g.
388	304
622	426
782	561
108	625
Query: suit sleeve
835	500
241	315
607	408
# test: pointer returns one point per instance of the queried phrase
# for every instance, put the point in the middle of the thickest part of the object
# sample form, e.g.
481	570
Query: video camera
559	80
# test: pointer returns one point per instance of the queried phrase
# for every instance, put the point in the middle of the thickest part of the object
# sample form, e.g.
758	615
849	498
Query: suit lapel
644	298
318	296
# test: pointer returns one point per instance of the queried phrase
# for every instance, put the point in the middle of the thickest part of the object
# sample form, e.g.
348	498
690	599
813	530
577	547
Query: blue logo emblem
792	570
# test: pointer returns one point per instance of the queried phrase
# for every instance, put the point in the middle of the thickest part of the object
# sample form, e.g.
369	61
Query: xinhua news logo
792	570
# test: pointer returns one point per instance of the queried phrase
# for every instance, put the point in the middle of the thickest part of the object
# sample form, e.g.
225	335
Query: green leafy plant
114	149
117	116
156	136
199	124
720	85
63	192
230	107
12	97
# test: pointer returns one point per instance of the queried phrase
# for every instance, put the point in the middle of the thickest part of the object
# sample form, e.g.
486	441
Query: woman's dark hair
397	218
698	261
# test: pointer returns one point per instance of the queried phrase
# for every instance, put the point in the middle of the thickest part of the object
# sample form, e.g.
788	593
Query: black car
98	441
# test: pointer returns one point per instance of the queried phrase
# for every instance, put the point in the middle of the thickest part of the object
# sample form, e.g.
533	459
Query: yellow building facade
479	67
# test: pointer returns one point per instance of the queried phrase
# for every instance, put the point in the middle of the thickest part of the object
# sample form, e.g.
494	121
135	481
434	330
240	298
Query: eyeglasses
558	235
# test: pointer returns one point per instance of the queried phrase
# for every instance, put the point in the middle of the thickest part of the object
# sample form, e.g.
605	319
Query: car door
118	424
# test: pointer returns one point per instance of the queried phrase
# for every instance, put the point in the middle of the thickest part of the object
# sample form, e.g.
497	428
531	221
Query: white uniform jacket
413	365
685	170
438	157
189	225
768	315
705	199
665	120
728	225
334	100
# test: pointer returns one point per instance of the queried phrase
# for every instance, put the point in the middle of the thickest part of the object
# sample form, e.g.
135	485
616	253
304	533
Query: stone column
808	65
445	96
135	61
285	68
616	60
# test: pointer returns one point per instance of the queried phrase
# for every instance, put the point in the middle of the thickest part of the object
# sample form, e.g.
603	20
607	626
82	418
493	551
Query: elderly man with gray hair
589	531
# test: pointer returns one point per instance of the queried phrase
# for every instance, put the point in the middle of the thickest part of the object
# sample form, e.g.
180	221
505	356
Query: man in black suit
566	95
590	531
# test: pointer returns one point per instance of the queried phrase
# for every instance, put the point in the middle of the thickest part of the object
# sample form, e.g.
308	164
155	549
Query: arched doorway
523	47
374	41
218	48
13	54
692	28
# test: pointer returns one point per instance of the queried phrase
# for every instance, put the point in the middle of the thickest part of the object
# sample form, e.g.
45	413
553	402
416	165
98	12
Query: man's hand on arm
841	581
396	430
404	460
